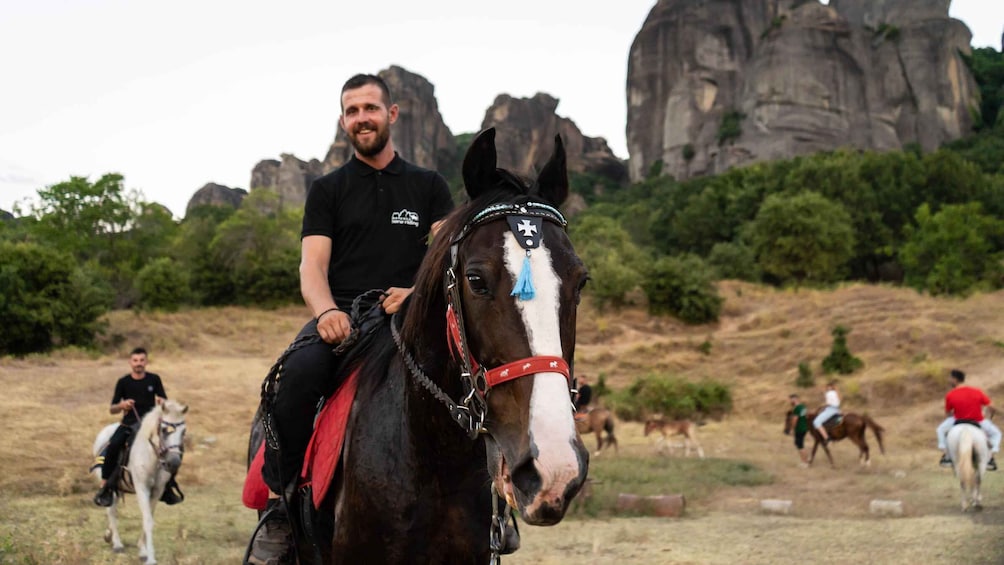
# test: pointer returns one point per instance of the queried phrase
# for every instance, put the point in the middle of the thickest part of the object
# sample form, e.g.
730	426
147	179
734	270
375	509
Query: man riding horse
964	405
135	394
365	226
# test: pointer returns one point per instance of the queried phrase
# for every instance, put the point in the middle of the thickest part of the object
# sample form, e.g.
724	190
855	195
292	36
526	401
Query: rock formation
290	178
420	135
721	83
213	194
526	128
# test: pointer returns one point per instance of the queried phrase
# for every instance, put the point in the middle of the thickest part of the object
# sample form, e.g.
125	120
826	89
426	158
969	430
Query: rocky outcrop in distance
213	194
721	83
525	138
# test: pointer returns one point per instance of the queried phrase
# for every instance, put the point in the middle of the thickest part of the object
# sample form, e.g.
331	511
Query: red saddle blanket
322	455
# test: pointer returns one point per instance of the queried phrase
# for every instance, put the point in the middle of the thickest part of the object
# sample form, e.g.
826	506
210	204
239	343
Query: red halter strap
509	371
528	366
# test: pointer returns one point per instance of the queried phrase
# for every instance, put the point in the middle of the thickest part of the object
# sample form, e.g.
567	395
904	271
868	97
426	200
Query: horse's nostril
526	479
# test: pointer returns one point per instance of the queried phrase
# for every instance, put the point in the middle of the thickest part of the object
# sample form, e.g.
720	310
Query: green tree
684	287
615	263
734	261
163	285
259	247
840	359
953	252
802	238
46	300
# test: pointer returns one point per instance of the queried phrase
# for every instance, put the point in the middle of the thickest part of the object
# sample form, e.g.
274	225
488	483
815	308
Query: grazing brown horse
852	426
670	428
597	420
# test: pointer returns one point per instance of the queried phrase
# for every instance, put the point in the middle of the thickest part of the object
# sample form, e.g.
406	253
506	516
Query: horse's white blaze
552	428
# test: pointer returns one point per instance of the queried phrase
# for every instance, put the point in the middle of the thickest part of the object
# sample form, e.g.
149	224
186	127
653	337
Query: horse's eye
477	284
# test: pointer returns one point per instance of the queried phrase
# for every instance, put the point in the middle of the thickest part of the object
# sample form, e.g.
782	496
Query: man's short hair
832	383
958	375
137	351
361	80
793	396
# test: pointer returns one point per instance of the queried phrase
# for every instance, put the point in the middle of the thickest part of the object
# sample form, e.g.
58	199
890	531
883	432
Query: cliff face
719	83
526	128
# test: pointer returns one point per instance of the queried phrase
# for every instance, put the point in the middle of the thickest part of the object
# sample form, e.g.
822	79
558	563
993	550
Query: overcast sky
176	94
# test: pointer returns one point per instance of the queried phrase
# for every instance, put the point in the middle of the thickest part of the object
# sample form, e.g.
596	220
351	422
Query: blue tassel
523	289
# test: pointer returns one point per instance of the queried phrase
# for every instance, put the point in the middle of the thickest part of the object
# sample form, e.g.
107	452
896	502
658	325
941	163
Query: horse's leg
693	437
112	533
146	503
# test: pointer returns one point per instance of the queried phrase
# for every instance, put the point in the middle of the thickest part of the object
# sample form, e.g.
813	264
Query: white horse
967	447
154	457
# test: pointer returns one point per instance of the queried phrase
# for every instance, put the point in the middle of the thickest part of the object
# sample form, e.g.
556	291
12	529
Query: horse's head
652	424
513	290
165	428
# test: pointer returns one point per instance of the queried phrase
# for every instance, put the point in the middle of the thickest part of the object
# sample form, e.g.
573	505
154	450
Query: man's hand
126	404
334	326
394	297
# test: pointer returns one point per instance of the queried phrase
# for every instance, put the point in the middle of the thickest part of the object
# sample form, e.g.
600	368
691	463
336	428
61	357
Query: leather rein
477	380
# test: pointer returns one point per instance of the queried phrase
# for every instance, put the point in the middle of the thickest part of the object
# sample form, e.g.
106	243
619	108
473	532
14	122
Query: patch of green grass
696	479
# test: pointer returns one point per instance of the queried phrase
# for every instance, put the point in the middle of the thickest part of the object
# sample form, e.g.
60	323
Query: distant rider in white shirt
831	409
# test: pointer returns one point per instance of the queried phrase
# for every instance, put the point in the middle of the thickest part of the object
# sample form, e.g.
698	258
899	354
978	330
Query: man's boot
172	493
273	544
106	496
991	465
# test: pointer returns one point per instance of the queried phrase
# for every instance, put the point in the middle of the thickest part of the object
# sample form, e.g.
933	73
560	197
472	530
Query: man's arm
315	256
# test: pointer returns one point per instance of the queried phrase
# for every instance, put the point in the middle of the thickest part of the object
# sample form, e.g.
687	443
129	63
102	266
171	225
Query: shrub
734	261
46	300
840	359
671	397
684	287
163	285
805	377
802	237
730	127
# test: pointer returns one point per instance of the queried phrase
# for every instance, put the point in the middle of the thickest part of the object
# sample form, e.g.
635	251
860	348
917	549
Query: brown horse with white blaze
852	426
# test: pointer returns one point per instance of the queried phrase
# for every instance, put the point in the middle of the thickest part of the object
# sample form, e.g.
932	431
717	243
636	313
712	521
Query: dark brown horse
598	420
851	426
486	341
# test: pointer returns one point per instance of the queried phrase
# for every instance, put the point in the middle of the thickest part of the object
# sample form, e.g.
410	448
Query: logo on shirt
405	217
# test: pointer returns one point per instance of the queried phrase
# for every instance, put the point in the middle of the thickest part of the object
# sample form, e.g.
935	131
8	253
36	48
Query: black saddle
834	421
969	422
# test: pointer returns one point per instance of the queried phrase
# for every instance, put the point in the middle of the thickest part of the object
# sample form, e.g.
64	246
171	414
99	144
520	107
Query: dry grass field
52	406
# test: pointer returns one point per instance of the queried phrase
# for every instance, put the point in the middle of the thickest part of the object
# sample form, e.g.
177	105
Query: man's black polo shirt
378	222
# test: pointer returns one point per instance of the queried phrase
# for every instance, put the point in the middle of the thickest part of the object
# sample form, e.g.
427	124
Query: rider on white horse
966	403
135	394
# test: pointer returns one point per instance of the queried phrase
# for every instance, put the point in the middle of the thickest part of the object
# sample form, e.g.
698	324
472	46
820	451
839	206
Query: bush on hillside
615	263
734	261
683	287
46	300
162	285
803	237
953	251
840	359
671	397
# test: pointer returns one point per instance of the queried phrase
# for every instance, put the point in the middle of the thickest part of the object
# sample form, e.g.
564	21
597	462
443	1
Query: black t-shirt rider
143	392
371	213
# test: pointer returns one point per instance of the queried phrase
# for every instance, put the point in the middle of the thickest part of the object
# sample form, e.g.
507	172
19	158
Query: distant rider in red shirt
966	403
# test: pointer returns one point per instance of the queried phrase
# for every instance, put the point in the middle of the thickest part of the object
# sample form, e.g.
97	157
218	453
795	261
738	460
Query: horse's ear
480	164
185	409
552	182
